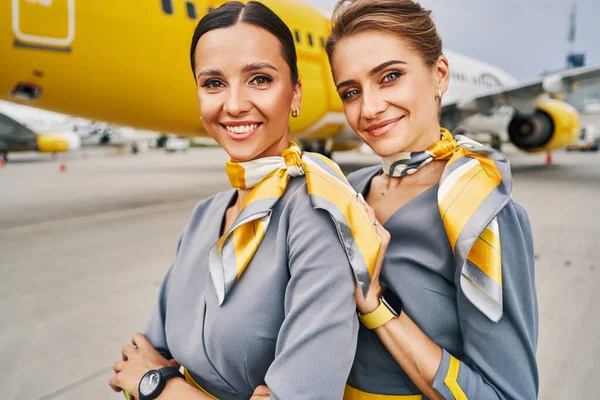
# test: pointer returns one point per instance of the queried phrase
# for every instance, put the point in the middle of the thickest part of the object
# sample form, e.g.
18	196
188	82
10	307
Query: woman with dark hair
453	314
261	289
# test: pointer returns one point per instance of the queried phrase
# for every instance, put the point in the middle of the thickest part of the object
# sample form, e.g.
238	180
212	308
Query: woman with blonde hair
457	316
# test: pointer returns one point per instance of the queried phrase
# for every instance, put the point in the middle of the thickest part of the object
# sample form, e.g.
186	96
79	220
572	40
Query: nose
236	103
372	104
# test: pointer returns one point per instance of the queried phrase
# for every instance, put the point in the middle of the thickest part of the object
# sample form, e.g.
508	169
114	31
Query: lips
383	127
240	130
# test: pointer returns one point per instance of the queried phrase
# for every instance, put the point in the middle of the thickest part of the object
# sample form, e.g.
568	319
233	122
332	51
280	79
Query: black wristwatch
391	301
153	382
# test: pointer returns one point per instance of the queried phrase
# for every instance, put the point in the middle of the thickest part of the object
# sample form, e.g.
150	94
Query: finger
127	351
361	200
113	384
140	341
118	366
262	390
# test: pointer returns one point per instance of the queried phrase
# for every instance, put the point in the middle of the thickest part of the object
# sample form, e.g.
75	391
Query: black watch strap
170	372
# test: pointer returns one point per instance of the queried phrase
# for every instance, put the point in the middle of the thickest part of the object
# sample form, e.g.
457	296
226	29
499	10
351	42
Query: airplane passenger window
297	36
310	42
191	10
167	6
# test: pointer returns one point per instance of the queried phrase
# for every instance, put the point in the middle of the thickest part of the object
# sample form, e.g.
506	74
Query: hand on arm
136	360
141	357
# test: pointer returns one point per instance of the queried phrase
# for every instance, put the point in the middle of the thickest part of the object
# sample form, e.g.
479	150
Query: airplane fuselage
127	63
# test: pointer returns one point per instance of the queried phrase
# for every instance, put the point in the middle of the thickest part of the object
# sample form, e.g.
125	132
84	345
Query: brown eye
261	80
213	84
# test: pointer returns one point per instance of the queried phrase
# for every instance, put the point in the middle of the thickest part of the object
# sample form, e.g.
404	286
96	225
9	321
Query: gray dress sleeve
155	330
317	340
501	355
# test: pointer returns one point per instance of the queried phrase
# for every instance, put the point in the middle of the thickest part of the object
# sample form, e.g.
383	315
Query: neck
427	175
426	139
277	148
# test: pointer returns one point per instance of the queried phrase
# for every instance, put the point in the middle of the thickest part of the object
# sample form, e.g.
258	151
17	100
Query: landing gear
496	142
322	146
161	142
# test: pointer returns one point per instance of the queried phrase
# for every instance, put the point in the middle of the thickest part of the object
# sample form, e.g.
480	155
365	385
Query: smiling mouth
383	128
241	129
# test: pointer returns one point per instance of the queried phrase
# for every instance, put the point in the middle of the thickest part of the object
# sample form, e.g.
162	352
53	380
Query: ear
442	71
297	99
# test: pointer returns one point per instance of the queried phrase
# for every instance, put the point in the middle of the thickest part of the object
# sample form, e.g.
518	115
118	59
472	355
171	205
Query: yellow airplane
126	62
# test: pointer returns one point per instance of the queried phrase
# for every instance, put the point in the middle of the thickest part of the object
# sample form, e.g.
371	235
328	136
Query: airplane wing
524	95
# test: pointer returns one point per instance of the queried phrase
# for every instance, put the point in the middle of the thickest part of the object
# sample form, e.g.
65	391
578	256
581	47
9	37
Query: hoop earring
295	113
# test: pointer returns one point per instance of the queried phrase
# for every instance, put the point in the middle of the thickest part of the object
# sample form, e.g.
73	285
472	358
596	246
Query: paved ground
82	254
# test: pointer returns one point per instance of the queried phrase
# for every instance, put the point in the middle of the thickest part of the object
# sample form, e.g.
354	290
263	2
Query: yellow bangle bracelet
380	316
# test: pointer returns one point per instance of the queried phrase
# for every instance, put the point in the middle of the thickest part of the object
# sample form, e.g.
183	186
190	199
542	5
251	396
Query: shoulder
513	216
358	179
205	209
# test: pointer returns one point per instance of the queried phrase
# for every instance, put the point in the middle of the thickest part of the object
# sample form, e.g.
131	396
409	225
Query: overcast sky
523	37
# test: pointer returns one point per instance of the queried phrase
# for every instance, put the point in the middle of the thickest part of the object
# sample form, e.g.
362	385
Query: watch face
149	383
391	301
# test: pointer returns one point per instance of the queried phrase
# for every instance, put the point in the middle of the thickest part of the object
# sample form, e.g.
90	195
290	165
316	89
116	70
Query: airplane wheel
496	143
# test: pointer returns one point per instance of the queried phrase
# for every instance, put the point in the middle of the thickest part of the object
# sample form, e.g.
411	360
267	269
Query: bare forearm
418	355
178	388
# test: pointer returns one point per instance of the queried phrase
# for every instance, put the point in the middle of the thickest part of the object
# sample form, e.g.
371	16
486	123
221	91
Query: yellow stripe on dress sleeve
451	380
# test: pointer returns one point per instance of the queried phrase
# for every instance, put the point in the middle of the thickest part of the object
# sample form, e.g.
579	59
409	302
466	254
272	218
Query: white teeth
241	128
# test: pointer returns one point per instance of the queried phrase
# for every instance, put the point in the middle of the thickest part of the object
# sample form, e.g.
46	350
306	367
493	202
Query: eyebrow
254	66
371	73
210	72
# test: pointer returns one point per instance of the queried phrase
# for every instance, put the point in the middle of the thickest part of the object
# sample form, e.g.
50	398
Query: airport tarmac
83	253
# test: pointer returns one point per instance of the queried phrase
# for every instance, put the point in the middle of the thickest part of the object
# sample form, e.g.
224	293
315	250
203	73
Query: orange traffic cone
549	160
62	167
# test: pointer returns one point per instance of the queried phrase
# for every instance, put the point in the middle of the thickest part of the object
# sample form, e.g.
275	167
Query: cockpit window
191	10
167	6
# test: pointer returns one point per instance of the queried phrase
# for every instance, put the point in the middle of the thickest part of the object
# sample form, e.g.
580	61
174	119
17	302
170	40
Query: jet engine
57	142
553	125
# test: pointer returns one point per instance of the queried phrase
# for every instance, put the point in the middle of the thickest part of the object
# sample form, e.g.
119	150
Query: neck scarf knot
475	186
268	177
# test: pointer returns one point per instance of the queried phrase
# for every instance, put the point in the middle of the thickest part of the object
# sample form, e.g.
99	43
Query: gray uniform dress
290	321
497	360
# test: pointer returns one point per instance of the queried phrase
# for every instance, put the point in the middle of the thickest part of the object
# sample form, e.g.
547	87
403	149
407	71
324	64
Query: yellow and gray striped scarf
268	177
476	185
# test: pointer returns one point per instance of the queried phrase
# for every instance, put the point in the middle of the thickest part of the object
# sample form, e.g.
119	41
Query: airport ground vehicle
588	141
